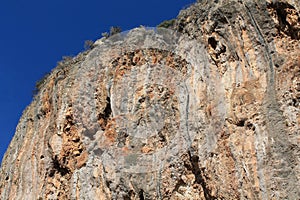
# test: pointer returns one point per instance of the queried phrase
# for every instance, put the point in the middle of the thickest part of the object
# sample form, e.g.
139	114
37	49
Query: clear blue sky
35	34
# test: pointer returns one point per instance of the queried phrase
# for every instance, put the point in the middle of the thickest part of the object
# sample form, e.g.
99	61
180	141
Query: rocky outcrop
209	110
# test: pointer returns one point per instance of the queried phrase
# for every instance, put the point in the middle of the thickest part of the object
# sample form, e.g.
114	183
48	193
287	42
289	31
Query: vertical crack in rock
141	195
279	152
199	176
105	115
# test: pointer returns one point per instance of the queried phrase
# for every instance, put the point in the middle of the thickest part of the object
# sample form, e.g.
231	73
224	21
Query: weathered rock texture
210	111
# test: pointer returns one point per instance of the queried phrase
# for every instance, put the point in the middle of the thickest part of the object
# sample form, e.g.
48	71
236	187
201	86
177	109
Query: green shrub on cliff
167	24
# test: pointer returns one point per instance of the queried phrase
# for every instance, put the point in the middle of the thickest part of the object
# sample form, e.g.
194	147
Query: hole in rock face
295	102
250	126
223	49
7	178
212	42
107	111
76	140
218	47
57	167
240	123
141	195
288	18
105	115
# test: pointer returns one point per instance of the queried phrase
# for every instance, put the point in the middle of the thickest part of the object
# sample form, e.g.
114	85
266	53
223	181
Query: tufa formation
208	109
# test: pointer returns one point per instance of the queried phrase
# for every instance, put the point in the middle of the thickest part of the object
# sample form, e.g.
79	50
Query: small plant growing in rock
167	24
66	60
105	34
115	30
88	44
40	83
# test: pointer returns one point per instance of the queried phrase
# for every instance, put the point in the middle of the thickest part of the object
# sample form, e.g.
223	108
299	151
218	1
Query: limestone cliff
208	110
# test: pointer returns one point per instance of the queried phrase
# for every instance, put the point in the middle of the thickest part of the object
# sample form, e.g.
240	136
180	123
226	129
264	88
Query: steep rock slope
208	111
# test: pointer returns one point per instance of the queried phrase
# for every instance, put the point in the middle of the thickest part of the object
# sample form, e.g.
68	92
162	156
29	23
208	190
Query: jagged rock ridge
209	110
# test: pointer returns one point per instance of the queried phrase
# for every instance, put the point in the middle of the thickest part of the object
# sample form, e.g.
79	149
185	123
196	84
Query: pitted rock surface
208	110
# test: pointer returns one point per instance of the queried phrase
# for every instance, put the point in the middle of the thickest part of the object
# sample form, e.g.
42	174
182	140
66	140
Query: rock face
207	111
